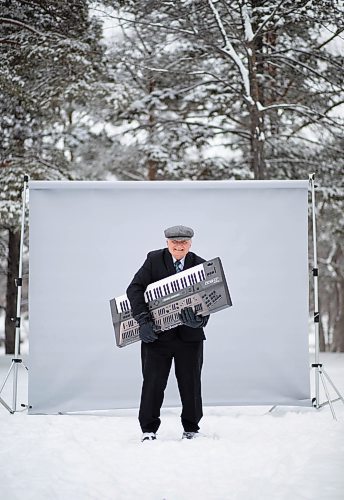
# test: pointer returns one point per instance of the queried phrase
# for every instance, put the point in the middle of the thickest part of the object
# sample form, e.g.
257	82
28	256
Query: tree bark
322	343
257	162
11	291
338	328
255	67
338	320
151	163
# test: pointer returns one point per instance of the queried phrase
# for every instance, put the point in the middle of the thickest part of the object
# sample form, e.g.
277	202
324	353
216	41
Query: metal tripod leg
327	394
321	373
333	386
2	387
14	366
19	281
317	404
6	378
6	405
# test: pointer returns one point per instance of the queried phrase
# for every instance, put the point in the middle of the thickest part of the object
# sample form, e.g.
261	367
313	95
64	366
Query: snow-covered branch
306	139
8	42
307	53
337	33
302	161
265	22
5	20
298	108
247	23
36	158
229	50
294	62
215	78
142	23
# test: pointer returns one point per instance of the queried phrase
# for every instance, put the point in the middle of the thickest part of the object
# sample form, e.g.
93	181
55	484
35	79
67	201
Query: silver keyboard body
202	287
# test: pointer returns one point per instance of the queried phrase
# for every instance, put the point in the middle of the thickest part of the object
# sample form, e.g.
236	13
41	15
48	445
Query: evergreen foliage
261	82
196	89
52	70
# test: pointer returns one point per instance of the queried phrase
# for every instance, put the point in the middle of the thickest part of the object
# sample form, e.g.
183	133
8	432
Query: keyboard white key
175	283
167	286
122	303
193	287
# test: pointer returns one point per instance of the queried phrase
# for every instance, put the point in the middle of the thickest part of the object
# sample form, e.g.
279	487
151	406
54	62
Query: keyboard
202	287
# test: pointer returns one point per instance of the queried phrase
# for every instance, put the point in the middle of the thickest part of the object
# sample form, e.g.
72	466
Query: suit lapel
188	261
169	262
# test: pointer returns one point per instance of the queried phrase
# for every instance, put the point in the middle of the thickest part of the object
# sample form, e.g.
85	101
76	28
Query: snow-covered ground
245	453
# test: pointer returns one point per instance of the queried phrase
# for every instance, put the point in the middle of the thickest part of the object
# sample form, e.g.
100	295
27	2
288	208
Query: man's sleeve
137	287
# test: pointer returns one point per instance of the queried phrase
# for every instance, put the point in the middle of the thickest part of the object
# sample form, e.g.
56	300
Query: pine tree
261	78
256	73
51	60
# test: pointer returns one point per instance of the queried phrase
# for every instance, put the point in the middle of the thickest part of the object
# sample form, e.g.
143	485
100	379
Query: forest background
173	90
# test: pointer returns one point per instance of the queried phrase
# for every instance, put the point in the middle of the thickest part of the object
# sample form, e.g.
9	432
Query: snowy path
291	454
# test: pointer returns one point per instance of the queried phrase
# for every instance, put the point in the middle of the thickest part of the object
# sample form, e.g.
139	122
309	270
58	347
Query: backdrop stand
320	373
17	360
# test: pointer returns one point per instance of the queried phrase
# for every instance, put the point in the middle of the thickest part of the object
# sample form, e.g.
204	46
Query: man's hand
189	318
147	333
147	328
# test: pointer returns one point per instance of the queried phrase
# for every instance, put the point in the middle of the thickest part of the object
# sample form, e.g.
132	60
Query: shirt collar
180	260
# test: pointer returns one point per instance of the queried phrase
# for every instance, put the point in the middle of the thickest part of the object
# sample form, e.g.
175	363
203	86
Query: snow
245	453
247	23
336	45
229	49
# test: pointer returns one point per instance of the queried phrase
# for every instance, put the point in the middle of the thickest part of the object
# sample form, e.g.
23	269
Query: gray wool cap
179	233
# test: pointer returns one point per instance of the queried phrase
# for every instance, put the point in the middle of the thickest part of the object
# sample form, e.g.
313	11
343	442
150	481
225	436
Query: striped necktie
178	266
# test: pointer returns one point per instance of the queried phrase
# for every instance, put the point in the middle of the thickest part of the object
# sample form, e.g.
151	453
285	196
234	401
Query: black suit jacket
159	265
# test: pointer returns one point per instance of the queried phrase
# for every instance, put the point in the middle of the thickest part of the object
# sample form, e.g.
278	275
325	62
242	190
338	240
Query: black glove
147	333
146	327
189	318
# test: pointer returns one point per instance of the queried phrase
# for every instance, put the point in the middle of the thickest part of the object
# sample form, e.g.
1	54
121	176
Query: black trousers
156	364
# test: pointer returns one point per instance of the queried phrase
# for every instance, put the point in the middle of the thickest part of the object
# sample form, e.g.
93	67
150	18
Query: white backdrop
87	239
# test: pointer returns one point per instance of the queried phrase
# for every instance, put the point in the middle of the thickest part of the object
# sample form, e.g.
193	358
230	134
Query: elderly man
183	344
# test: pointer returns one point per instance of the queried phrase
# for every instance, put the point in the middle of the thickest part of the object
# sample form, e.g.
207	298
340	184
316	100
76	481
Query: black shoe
190	435
148	436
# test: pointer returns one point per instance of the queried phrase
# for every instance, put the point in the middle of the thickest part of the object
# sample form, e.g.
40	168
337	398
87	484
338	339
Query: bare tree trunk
322	344
11	292
255	67
338	323
338	329
152	164
257	162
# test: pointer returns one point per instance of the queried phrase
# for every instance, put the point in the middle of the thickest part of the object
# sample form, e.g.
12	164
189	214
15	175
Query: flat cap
179	233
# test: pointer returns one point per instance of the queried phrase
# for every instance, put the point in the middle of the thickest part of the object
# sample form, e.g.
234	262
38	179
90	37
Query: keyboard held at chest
202	287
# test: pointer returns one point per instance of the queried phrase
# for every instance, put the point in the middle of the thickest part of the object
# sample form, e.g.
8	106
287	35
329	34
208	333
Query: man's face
178	248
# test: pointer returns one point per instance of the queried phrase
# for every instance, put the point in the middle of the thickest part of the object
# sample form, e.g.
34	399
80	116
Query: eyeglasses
179	242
